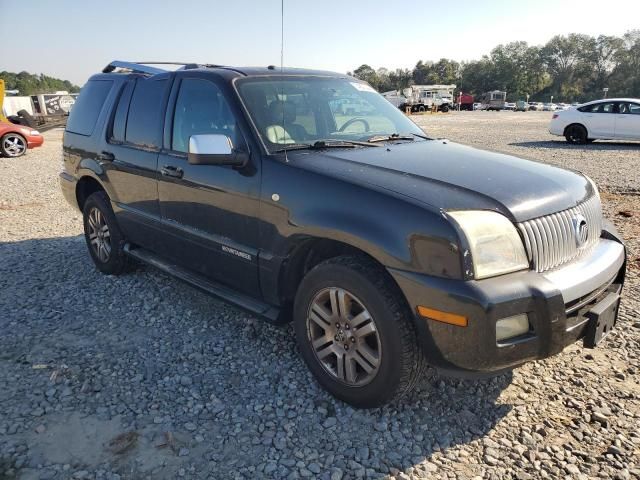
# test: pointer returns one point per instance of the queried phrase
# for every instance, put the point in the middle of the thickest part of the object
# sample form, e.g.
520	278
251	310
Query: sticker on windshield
363	87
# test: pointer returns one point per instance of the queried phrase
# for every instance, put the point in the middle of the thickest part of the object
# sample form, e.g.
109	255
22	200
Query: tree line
30	84
571	68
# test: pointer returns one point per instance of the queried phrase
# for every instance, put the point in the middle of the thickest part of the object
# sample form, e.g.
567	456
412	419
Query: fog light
512	327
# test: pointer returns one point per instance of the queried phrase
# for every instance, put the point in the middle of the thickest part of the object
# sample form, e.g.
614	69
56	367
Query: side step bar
268	312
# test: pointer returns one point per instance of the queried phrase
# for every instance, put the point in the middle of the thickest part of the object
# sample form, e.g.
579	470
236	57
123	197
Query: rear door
211	211
134	138
600	119
628	121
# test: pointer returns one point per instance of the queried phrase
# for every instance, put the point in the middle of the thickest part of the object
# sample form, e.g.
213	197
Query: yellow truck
2	117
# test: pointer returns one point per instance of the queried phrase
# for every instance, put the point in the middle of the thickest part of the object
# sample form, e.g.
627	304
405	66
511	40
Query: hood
447	175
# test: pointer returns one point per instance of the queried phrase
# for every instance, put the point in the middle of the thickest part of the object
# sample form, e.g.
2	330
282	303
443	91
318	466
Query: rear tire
363	350
576	135
13	145
104	238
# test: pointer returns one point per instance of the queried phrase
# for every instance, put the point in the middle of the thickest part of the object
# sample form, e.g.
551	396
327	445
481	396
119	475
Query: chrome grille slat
550	241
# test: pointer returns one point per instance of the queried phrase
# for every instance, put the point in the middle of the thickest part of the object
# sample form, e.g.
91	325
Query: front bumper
556	303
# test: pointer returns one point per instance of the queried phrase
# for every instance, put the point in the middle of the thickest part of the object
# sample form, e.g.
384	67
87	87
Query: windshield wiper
395	136
322	144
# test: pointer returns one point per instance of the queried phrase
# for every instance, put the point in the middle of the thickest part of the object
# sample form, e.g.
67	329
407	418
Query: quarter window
200	109
144	122
84	114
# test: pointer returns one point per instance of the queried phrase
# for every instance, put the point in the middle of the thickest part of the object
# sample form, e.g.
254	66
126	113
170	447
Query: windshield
305	110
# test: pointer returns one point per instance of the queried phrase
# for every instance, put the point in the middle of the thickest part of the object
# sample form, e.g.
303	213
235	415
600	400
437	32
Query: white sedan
609	119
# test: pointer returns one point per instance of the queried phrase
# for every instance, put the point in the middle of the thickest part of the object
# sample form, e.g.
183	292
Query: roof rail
143	67
135	67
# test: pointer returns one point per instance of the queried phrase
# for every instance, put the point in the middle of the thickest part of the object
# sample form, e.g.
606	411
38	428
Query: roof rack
144	68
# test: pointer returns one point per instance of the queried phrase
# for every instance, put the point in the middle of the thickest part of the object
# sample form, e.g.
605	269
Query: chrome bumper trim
587	273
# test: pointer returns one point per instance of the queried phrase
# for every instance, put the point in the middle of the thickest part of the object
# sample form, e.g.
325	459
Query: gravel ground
141	376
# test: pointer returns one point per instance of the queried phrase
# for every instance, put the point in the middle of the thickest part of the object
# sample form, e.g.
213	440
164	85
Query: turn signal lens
445	317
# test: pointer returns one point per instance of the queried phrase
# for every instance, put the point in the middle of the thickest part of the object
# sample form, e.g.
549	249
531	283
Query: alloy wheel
99	235
14	145
344	336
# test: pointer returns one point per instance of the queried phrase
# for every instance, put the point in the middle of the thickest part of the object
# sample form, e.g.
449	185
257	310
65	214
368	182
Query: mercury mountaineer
305	196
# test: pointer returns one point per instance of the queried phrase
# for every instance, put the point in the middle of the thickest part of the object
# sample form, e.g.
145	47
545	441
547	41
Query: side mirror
214	149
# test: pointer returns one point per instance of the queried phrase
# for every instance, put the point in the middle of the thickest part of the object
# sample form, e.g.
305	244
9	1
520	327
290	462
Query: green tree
368	74
30	84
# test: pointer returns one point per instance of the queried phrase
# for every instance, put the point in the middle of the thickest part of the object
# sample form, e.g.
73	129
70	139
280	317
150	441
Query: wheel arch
86	186
307	253
575	124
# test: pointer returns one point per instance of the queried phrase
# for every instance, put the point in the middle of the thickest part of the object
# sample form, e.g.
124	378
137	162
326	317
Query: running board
268	312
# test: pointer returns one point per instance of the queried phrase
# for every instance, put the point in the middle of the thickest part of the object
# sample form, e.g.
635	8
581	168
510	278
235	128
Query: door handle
171	171
106	156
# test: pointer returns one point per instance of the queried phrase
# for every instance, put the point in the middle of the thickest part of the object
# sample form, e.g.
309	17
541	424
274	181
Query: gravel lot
141	376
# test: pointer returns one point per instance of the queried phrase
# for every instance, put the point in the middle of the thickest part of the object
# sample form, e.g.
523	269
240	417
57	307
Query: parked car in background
562	106
522	106
608	119
549	107
477	106
509	106
536	106
219	177
15	140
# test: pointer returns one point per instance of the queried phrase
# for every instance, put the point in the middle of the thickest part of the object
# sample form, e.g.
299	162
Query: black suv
305	196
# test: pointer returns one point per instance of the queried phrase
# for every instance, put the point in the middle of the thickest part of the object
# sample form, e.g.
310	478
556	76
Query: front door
628	121
210	211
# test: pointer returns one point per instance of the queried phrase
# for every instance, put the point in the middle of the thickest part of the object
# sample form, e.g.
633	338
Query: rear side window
85	111
598	108
144	122
120	116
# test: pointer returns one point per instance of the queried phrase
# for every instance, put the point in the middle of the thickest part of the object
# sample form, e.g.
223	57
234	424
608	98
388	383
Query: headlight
34	132
495	245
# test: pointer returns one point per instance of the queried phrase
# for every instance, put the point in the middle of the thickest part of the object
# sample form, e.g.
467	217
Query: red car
16	139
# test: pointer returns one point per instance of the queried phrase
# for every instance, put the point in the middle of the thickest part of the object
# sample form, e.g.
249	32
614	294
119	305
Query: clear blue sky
72	39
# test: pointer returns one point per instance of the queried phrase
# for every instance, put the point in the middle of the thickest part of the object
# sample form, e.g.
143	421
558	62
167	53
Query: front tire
355	332
104	238
576	135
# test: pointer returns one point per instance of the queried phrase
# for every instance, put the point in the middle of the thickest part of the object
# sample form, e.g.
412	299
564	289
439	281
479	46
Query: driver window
629	108
200	108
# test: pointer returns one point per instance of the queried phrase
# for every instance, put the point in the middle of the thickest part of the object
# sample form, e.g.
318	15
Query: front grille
551	240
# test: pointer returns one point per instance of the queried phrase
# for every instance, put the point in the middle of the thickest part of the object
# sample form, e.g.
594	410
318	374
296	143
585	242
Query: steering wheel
351	121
